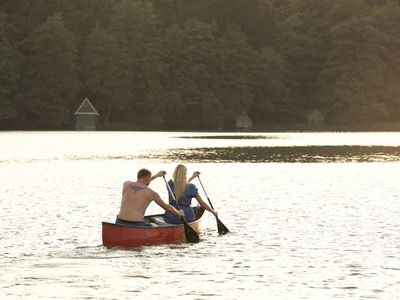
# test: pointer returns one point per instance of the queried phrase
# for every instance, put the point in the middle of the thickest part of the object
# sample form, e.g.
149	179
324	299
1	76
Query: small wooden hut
244	122
86	116
315	119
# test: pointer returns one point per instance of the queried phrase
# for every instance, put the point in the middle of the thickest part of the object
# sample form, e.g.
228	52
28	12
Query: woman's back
189	193
184	201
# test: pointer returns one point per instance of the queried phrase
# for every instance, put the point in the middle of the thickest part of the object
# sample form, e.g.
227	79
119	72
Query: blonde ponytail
180	181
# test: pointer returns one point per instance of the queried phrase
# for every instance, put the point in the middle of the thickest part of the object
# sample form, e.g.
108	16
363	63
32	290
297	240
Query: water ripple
297	154
303	231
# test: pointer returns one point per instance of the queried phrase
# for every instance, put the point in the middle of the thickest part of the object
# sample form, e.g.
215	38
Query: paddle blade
222	229
190	234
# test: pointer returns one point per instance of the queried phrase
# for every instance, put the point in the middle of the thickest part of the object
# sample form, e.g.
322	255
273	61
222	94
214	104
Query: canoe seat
159	220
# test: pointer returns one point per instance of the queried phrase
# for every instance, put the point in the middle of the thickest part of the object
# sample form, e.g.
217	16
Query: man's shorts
132	224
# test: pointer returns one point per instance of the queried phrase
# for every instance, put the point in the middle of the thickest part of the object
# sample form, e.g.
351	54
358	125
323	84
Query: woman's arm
205	205
195	174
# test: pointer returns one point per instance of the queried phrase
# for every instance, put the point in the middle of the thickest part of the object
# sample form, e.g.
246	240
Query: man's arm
167	207
159	174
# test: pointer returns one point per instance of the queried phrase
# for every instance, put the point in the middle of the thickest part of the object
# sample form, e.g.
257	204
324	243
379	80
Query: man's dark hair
143	173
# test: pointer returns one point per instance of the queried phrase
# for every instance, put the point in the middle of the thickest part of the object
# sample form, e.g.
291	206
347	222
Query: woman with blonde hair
184	192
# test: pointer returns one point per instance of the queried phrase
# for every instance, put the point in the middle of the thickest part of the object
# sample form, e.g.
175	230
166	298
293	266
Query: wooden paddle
190	234
222	229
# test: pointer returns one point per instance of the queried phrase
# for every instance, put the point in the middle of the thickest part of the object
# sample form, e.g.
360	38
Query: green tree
25	14
256	18
52	75
10	61
178	12
135	26
81	16
357	83
191	56
233	73
190	64
100	70
301	41
385	20
272	88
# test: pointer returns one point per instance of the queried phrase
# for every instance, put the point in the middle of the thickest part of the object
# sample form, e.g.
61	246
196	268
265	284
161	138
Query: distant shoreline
215	131
267	127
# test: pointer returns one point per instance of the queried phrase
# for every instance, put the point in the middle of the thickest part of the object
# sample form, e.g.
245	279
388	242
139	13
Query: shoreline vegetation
285	65
278	127
258	129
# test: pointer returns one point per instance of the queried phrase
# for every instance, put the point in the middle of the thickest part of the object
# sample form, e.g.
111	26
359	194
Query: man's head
144	176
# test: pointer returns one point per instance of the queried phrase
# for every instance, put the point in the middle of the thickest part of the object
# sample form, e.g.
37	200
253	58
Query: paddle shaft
222	229
204	190
171	193
190	234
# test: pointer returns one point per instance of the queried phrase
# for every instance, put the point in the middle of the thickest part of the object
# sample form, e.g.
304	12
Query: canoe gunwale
114	235
167	225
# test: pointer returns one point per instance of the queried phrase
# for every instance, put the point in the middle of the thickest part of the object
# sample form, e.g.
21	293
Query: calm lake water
312	216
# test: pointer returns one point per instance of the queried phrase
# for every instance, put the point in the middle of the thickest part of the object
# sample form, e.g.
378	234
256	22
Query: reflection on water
298	231
282	154
232	137
35	147
295	154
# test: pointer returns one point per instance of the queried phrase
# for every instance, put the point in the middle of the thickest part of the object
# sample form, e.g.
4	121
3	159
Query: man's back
136	197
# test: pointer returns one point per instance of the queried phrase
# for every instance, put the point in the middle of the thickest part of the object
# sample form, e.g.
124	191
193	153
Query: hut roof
244	121
315	115
86	108
244	117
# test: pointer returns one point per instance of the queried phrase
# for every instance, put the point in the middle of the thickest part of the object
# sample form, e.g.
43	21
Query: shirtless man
137	196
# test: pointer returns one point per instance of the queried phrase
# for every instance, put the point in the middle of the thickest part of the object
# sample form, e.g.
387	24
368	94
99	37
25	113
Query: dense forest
199	64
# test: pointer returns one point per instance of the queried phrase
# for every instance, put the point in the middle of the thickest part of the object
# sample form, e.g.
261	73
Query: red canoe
128	236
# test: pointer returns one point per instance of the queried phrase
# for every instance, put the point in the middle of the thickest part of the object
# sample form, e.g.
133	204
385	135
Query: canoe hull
126	236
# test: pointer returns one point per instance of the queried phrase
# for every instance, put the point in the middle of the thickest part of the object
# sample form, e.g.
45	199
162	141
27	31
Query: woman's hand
195	174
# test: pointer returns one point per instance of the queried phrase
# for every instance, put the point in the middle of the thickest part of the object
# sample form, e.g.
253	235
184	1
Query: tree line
186	64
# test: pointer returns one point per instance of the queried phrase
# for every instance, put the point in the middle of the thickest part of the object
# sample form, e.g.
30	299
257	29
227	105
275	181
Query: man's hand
181	213
160	173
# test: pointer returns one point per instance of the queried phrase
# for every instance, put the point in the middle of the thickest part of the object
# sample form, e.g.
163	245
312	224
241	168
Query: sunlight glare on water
298	230
81	145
